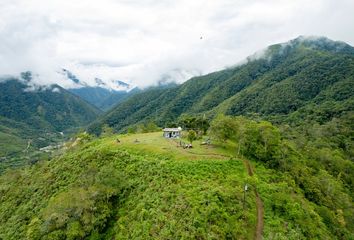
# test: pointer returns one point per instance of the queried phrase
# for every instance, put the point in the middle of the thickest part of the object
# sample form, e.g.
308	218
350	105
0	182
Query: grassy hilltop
151	189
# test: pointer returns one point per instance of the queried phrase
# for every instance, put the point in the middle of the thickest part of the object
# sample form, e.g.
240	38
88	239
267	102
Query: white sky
139	41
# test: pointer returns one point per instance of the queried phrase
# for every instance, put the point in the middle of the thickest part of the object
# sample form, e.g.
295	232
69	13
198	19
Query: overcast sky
140	41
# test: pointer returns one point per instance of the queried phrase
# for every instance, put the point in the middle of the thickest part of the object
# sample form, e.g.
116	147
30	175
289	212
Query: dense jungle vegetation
142	185
32	118
282	125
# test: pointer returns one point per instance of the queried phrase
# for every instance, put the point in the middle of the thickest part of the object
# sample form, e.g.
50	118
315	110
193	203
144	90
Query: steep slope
132	186
51	108
99	94
302	73
93	95
115	98
152	190
158	104
283	80
102	98
32	117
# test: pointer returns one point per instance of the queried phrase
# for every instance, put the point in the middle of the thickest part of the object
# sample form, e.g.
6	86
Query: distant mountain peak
177	76
99	82
121	83
26	76
319	43
111	85
71	76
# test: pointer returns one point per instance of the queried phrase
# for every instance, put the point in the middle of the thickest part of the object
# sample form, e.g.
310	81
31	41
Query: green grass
155	143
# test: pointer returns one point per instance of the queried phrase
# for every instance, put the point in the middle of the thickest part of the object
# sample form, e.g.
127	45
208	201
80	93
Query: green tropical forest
266	152
30	120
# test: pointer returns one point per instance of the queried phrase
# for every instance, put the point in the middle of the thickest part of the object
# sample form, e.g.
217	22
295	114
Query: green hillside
148	187
280	124
305	88
287	82
102	98
33	118
94	95
51	108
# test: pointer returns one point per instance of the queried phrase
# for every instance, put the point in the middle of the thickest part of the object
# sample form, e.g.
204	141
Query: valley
42	117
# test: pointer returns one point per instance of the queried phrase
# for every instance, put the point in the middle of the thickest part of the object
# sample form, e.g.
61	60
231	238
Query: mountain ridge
272	157
32	117
282	80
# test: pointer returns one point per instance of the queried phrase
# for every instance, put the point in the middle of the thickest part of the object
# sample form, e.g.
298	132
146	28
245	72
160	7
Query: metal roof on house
172	129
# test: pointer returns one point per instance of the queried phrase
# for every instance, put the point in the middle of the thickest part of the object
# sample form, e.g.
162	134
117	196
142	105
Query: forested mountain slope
102	98
44	108
286	79
145	186
33	116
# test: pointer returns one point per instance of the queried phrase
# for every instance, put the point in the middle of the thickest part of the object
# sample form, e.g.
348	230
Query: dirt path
259	204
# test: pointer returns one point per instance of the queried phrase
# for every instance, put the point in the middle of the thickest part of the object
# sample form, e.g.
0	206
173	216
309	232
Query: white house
172	132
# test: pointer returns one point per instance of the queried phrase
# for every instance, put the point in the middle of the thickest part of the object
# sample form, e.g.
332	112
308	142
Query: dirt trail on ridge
259	204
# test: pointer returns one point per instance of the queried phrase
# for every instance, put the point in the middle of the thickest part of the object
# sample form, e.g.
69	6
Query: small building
172	132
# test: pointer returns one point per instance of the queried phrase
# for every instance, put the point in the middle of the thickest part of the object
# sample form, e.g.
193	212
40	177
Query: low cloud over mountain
139	42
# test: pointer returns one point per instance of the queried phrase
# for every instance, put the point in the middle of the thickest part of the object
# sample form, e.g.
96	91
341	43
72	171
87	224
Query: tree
270	140
83	137
261	141
152	127
140	128
131	129
200	124
107	131
240	131
192	135
223	128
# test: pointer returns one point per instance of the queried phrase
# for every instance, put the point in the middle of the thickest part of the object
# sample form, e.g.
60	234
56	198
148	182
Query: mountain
284	82
51	107
102	189
100	95
33	116
267	152
102	98
177	76
116	97
289	108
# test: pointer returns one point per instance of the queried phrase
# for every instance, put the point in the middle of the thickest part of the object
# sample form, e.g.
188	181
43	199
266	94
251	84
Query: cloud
141	42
